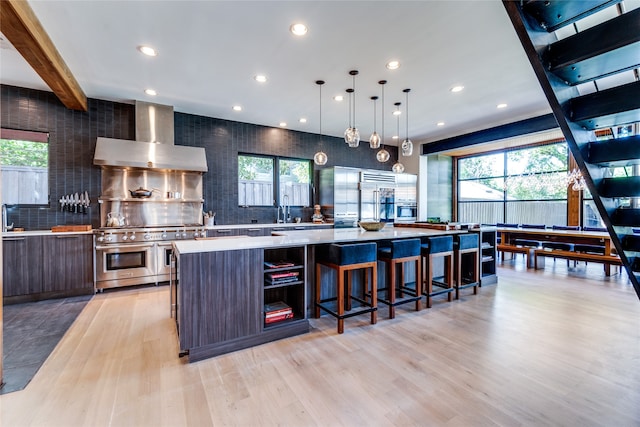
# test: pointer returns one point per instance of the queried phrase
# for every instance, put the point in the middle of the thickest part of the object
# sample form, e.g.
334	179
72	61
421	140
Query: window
24	160
294	178
526	185
255	180
264	179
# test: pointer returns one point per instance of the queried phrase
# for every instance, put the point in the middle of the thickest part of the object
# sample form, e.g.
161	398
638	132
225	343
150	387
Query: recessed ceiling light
298	29
503	105
396	112
260	78
148	50
283	124
237	108
302	120
338	98
455	89
440	124
150	92
393	65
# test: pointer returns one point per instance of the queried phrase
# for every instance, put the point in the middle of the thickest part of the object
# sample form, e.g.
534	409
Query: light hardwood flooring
559	347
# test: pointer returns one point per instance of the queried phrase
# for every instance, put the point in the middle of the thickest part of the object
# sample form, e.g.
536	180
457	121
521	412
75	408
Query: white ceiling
209	52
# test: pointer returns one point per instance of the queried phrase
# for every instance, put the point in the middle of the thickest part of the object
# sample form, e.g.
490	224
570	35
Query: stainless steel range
134	256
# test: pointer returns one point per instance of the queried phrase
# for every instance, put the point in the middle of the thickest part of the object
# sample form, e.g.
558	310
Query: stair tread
552	15
616	106
615	152
628	186
605	49
626	217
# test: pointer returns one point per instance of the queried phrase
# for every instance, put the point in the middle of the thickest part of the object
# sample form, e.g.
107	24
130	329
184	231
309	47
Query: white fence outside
260	193
25	185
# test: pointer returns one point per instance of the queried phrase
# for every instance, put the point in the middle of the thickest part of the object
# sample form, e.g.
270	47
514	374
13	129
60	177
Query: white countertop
301	238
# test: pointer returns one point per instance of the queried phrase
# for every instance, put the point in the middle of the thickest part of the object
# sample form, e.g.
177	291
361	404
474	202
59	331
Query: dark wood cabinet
22	261
220	297
252	231
42	267
222	232
71	266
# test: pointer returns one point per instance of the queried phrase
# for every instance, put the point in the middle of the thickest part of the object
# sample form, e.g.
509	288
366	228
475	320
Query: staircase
586	56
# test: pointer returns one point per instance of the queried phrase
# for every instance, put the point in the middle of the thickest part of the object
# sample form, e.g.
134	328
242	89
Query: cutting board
67	228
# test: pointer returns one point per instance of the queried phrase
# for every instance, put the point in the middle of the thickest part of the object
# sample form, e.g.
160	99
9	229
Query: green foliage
250	166
299	169
24	153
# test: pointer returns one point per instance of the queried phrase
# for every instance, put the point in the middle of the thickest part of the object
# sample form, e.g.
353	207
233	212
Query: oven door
163	261
125	265
406	213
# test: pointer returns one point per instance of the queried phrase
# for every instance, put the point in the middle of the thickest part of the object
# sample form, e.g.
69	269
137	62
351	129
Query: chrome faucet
5	227
284	207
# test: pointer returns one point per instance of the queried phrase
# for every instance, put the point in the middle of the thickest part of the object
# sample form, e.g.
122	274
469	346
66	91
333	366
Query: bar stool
432	248
396	252
345	258
466	246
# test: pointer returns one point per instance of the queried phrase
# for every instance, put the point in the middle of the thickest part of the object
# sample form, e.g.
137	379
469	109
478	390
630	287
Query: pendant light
374	139
407	145
320	158
382	155
352	135
398	167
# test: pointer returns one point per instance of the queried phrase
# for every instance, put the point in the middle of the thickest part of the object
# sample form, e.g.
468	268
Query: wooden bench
607	260
527	251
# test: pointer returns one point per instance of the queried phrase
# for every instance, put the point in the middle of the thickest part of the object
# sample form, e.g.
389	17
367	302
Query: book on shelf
277	311
284	277
278	264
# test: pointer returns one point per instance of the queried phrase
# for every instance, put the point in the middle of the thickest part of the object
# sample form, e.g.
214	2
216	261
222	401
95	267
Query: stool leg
340	301
457	268
476	272
429	280
449	275
391	289
347	296
318	292
374	292
418	281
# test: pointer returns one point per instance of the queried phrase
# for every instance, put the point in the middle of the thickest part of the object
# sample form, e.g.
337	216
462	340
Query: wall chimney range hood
154	145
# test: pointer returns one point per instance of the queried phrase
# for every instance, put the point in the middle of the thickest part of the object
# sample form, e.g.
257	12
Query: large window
517	186
24	160
264	179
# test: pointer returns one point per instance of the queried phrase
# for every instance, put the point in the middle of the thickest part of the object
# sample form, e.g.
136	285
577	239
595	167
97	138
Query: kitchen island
222	285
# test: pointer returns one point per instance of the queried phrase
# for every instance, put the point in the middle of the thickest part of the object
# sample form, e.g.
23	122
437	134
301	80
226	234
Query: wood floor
550	348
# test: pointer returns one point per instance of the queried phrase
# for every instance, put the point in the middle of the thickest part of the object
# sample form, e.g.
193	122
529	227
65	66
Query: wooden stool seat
346	258
394	253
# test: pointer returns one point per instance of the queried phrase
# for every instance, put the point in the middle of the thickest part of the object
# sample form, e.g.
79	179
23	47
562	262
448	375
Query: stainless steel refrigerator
377	195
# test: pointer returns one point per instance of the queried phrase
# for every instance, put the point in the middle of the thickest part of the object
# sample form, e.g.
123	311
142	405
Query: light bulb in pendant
320	158
352	137
407	147
382	155
398	167
374	140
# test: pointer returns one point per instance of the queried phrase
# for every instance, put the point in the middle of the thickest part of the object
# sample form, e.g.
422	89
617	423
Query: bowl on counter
371	225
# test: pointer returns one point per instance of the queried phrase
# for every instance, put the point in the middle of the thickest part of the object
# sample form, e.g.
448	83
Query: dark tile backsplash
72	141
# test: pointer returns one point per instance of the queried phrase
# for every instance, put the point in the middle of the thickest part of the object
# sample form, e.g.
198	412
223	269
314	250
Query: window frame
276	179
43	137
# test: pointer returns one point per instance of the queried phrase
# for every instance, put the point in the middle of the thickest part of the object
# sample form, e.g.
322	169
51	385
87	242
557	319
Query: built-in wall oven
406	212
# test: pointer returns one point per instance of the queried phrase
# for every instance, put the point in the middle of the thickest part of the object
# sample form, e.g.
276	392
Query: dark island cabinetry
42	267
221	296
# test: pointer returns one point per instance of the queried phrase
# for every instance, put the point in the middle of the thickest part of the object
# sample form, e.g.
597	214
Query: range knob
164	234
100	238
147	236
184	234
109	237
133	236
178	234
125	238
203	233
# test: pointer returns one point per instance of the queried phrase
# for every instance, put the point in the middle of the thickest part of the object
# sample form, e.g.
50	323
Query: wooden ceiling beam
22	28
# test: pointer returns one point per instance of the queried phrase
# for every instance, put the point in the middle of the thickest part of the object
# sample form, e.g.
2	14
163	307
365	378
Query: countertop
302	237
267	225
